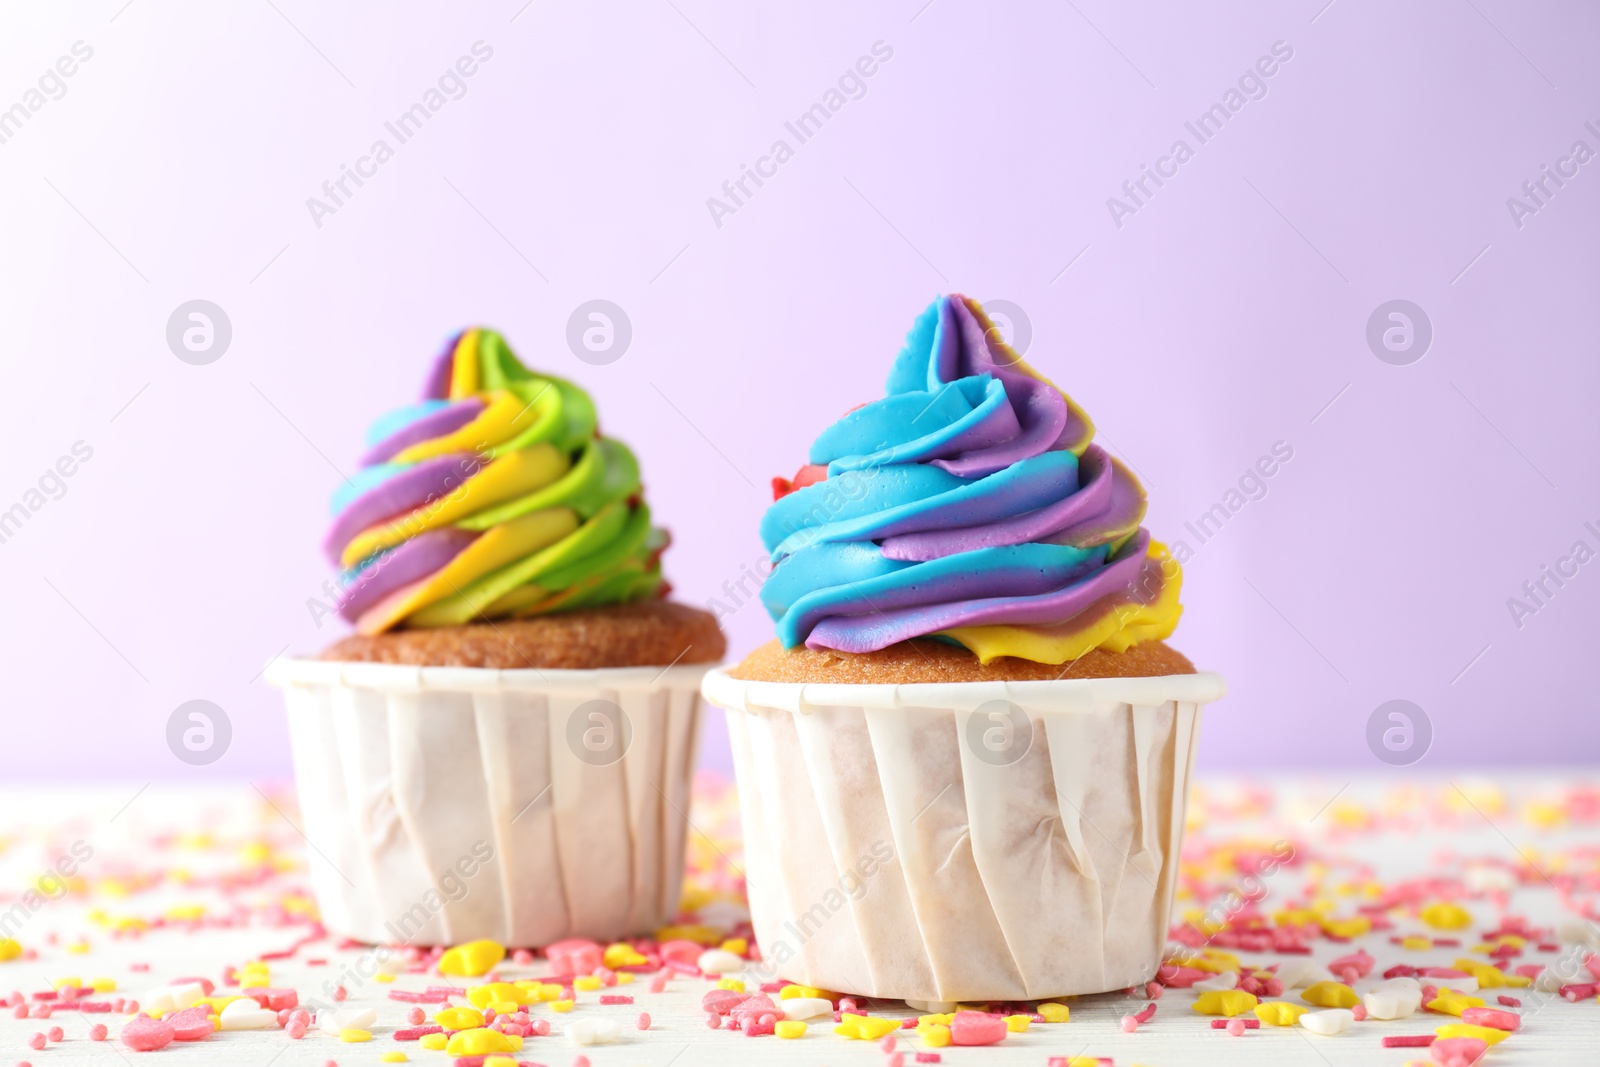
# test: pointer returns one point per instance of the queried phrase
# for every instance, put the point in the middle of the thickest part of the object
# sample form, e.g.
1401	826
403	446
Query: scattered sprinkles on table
1272	933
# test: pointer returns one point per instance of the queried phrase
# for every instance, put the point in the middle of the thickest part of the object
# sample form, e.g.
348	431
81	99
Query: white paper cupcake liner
981	841
446	804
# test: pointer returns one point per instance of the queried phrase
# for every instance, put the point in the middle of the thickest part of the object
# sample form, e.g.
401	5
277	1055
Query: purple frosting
412	561
410	488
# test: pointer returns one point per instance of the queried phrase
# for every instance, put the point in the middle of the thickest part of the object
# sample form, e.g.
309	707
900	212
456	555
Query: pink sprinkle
927	1057
1491	1017
340	992
616	999
1510	1002
713	1020
1360	1012
416	1016
1408	1041
1153	990
1129	1024
887	1044
131	1007
20	1011
1236	1027
331	1063
848	1004
296	1029
138	967
36	1042
55	1033
580	1061
1227	1024
522	958
644	1020
1146	1013
97	1032
896	1059
42	1011
541	1027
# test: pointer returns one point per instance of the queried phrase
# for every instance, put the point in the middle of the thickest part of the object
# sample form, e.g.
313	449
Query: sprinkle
790	1028
1408	1041
643	1022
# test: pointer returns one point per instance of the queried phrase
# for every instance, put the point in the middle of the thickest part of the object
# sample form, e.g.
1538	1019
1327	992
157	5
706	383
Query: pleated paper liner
446	804
963	842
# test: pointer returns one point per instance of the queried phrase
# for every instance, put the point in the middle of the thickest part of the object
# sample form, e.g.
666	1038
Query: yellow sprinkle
1279	1012
625	978
586	983
561	1005
9	949
789	992
1488	975
1054	1013
383	977
1417	944
393	1057
433	1042
1519	981
865	1027
936	1036
355	1036
736	945
1449	1002
1229	1002
472	959
623	954
790	1028
481	1042
1331	995
459	1018
735	984
1017	1024
499	1061
78	948
1347	928
62	983
549	991
482	996
1446	916
1487	1034
504	1007
103	985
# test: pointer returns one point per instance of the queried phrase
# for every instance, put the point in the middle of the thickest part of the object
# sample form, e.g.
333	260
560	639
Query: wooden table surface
193	882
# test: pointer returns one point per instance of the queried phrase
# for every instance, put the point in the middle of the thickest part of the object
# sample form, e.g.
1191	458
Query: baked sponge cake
970	694
519	696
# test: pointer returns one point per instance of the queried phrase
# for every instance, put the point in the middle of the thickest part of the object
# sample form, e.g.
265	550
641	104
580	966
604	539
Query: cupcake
503	748
962	764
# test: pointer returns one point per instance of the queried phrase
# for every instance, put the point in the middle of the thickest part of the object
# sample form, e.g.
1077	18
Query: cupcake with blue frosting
971	672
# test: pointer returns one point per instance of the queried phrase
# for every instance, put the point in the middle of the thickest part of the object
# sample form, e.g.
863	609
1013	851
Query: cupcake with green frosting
518	686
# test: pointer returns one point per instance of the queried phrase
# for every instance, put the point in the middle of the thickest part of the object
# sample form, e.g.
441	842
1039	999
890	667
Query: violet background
1228	314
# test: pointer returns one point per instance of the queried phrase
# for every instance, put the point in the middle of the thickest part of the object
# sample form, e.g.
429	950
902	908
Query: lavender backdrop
1369	154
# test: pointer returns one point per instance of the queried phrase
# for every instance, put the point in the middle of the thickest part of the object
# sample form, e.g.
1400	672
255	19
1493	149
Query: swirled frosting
494	496
969	504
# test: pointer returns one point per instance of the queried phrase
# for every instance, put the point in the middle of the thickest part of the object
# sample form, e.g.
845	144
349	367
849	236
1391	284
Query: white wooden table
164	850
